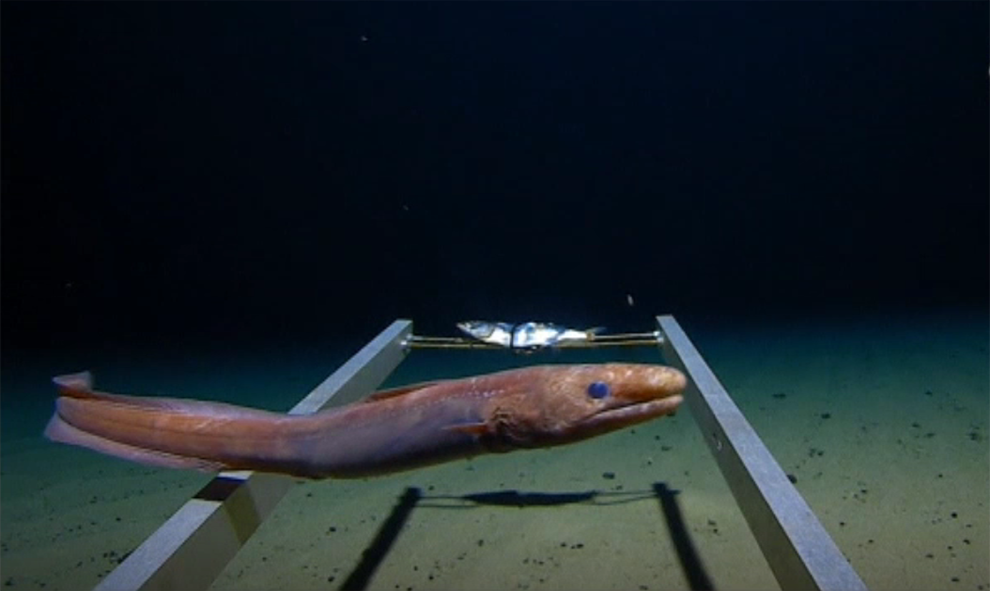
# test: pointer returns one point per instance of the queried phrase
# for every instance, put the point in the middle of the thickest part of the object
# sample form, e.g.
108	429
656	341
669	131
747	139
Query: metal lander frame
193	546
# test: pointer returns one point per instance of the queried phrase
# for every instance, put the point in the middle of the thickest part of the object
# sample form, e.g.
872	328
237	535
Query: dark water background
232	175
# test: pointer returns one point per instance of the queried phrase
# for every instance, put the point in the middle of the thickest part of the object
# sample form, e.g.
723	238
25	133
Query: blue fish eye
599	390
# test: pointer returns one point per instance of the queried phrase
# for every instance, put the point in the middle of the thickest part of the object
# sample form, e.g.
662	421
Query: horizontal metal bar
190	549
596	341
798	549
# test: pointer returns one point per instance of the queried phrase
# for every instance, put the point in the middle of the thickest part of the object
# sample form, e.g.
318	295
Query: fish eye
598	390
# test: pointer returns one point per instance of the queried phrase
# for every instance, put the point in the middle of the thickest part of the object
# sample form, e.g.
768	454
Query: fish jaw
625	416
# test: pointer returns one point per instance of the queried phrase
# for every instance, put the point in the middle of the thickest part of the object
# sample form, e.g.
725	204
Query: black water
221	175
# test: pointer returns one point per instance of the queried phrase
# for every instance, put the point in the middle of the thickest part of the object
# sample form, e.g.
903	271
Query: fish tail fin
62	432
74	384
167	432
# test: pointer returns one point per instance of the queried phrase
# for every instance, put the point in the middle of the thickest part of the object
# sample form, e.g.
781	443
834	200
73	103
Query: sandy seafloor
883	422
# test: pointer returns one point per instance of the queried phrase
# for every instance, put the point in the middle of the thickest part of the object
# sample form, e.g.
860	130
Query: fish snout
652	383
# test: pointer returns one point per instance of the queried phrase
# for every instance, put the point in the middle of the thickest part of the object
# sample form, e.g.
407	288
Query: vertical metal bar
798	549
193	546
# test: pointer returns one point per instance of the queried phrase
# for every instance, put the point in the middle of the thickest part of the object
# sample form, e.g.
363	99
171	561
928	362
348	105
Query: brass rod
646	339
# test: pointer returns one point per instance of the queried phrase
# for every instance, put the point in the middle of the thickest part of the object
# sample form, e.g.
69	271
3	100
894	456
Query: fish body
528	335
534	335
390	431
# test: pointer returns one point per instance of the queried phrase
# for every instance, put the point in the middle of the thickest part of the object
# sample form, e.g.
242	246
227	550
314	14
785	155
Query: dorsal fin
393	392
74	382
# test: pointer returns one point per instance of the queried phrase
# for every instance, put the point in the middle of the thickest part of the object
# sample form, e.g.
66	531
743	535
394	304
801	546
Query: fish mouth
627	415
637	412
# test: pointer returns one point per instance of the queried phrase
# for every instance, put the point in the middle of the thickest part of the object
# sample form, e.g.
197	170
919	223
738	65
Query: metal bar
190	549
452	344
575	345
363	372
616	340
798	549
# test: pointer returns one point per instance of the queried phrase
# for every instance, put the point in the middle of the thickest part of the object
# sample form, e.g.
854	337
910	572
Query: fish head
478	329
495	333
564	404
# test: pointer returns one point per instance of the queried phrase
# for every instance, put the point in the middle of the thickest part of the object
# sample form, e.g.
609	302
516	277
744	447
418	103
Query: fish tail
167	432
61	431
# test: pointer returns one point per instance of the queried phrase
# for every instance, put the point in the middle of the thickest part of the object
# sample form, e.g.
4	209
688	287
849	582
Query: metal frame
798	549
191	549
193	546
